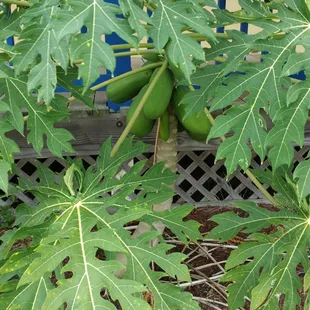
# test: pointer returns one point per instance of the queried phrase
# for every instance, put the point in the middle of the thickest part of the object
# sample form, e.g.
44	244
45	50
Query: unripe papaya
160	96
195	123
164	127
127	88
142	125
197	136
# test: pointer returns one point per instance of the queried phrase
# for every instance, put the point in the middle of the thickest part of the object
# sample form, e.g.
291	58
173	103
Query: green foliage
265	266
50	43
265	82
4	169
40	120
76	230
302	172
167	20
133	12
74	216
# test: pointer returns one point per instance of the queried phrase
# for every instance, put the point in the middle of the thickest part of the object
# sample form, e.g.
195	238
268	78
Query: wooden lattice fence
200	181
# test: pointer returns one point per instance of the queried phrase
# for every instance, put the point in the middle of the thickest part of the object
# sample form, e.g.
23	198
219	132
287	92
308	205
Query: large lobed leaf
9	27
266	275
40	121
302	175
264	267
132	10
15	101
77	231
100	18
49	35
263	83
168	20
38	40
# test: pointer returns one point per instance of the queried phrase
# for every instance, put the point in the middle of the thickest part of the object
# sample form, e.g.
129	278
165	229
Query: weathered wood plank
91	129
90	132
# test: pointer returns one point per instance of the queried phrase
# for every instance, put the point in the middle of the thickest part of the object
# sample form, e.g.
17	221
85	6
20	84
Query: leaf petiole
131	53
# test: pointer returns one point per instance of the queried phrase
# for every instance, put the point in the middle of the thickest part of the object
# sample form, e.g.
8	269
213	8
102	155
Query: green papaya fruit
142	125
195	123
127	88
160	96
197	136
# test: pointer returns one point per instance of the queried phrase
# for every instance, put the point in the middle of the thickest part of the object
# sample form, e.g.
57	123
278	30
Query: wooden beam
91	129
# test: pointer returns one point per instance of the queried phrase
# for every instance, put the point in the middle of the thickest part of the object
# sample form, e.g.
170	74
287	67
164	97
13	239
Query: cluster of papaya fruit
157	104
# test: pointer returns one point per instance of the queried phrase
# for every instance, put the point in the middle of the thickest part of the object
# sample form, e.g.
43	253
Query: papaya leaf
9	26
307	285
289	125
174	220
38	41
79	232
167	22
230	223
5	167
302	174
271	259
40	122
235	50
135	15
7	146
27	297
66	79
255	8
264	85
100	18
300	7
211	3
281	182
207	78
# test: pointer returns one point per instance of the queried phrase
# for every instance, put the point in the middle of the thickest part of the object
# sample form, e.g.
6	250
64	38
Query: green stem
137	52
148	6
17	2
247	172
139	109
122	54
199	37
221	35
220	59
126	46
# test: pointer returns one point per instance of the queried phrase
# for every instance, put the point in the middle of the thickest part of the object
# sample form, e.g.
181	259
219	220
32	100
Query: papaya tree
78	252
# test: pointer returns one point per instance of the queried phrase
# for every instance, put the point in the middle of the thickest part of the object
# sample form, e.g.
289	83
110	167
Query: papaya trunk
166	151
